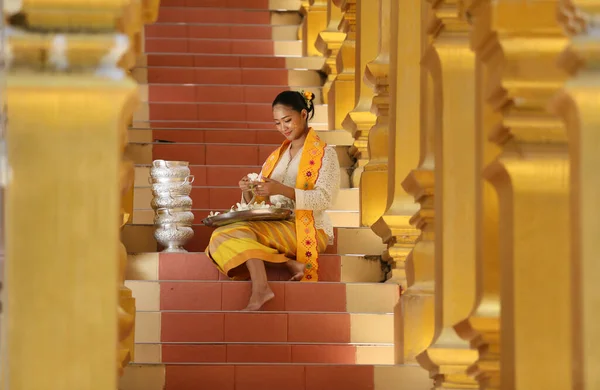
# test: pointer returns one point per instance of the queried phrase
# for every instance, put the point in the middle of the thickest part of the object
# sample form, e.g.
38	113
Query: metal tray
271	214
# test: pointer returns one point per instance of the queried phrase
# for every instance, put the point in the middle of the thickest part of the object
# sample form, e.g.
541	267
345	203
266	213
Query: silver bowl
173	237
173	216
171	189
168	201
172	180
169	169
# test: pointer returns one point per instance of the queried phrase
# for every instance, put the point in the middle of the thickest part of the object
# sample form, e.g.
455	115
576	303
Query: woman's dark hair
297	101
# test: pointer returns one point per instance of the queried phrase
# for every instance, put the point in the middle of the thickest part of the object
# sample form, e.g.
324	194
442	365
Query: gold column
577	105
531	177
415	314
360	120
482	328
68	104
375	175
315	21
328	44
304	5
341	93
394	226
451	66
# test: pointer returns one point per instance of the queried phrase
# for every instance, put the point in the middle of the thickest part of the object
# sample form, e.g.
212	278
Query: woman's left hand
268	188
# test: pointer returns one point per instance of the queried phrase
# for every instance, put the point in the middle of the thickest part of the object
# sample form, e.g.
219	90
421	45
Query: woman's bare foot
296	269
259	298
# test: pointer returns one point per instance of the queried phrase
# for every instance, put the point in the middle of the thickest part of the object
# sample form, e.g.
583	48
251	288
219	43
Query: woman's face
290	123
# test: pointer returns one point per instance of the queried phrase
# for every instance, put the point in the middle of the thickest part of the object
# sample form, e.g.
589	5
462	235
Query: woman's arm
321	197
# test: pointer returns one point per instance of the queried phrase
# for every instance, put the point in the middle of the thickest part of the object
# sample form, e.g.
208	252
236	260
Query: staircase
211	70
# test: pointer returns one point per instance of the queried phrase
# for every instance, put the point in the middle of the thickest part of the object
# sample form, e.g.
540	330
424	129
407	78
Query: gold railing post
451	66
578	106
360	120
69	100
482	328
394	226
375	175
315	21
531	177
340	99
328	44
414	316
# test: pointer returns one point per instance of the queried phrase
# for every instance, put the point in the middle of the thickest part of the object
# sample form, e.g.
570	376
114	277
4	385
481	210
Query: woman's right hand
245	184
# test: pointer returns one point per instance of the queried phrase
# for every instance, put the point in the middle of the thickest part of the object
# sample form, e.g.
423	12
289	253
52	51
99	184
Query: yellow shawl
308	173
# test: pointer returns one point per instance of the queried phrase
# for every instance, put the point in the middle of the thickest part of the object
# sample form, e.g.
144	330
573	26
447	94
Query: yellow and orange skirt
271	241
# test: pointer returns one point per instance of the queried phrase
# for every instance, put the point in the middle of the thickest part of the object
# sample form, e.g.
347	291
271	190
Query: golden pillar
414	316
68	104
394	228
577	105
450	64
341	93
315	21
482	328
328	44
360	120
531	177
375	175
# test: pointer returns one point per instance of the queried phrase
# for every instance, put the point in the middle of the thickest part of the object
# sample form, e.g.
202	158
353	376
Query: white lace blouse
321	197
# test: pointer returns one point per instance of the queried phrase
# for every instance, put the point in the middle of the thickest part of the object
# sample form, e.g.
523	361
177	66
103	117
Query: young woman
304	174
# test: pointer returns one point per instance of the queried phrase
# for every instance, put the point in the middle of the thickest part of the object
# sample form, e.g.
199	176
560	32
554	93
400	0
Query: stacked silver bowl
171	186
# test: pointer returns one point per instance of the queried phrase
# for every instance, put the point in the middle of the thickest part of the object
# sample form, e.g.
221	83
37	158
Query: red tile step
213	154
242	112
192	14
216	295
244	4
219	136
210	46
198	267
214	61
218	76
177	93
268	377
208	31
254	327
259	353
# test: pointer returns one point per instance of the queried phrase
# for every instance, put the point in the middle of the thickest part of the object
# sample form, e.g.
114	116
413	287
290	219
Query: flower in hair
308	97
